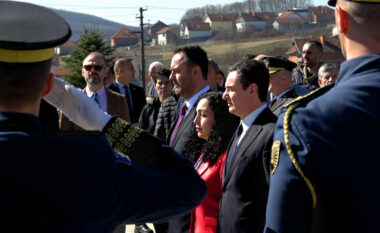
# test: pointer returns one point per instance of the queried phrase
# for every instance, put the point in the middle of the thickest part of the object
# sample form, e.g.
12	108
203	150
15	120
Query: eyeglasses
96	67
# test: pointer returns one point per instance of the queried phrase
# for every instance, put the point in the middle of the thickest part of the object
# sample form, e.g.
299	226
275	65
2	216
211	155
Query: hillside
78	21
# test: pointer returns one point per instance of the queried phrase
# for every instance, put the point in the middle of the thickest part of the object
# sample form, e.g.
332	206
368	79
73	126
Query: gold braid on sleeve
301	101
132	141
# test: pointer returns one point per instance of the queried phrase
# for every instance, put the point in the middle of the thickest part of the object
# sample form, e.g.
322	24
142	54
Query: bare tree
281	5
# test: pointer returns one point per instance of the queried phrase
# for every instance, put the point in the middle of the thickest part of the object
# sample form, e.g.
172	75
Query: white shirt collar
248	120
195	98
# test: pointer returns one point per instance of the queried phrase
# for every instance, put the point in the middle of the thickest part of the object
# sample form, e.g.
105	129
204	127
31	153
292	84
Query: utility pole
142	46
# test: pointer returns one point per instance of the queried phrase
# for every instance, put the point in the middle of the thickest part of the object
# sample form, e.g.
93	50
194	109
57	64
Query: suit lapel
249	138
184	124
278	104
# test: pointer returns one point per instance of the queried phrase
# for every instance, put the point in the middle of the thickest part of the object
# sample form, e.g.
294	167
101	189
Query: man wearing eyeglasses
93	72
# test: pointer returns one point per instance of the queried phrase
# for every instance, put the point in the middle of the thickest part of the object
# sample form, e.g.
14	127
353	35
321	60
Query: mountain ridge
78	21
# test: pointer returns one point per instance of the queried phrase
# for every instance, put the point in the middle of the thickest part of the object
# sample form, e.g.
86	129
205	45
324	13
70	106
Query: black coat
148	116
138	99
245	182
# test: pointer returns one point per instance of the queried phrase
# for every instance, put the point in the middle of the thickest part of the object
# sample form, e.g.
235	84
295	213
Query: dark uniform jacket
138	99
276	104
334	140
79	184
245	182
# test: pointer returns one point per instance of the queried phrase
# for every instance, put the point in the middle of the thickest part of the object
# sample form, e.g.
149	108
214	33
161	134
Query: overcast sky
125	11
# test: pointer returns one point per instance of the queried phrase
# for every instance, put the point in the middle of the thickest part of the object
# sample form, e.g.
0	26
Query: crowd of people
274	146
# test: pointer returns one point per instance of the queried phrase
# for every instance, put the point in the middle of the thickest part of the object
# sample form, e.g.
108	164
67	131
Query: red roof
157	27
61	71
250	17
223	17
124	33
321	14
194	26
69	44
285	18
164	30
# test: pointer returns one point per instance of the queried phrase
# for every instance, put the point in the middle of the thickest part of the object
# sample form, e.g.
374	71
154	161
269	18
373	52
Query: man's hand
82	110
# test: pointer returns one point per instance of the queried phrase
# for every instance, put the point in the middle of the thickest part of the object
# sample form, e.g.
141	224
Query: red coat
204	217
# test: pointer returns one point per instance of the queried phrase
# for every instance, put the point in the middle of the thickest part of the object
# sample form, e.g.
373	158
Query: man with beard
306	74
189	67
94	71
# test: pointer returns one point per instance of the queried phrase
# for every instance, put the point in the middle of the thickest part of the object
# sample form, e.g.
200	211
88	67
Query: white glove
77	106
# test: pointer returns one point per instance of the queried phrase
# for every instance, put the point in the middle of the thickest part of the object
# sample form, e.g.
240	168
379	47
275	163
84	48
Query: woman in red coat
214	127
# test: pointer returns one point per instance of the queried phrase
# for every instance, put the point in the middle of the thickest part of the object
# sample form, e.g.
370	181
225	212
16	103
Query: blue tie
95	98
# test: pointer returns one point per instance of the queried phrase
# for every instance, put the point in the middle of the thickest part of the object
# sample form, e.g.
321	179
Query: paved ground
131	228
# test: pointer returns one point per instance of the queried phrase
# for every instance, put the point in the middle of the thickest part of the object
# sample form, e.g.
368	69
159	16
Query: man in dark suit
280	81
189	74
94	71
73	183
246	172
135	95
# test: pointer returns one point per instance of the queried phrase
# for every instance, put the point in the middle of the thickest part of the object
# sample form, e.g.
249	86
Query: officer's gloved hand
79	108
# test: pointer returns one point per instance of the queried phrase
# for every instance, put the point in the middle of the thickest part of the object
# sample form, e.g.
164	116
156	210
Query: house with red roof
166	36
124	37
194	29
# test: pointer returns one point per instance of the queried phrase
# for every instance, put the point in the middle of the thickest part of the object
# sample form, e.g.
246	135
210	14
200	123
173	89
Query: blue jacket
334	139
79	184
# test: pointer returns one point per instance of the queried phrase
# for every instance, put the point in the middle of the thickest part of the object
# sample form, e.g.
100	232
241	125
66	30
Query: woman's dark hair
220	135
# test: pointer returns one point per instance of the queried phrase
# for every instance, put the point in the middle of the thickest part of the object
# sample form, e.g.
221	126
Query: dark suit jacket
184	129
138	99
116	106
245	182
181	224
276	105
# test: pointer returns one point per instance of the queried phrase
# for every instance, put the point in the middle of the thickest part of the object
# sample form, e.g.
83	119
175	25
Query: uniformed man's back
324	155
74	183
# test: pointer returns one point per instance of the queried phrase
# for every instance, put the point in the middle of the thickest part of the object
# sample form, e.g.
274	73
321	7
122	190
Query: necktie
180	118
129	99
95	97
233	147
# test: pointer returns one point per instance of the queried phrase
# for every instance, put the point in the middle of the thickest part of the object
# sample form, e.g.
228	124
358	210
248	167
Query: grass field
225	53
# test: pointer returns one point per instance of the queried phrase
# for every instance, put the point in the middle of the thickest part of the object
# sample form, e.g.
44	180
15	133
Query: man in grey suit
189	67
246	171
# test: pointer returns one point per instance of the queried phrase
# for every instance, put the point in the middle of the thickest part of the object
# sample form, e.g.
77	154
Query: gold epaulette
131	140
301	101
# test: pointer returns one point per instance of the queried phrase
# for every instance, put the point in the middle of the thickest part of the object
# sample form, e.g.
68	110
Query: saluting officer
325	154
74	183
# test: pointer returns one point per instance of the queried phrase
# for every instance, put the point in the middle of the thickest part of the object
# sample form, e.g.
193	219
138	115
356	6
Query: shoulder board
301	101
